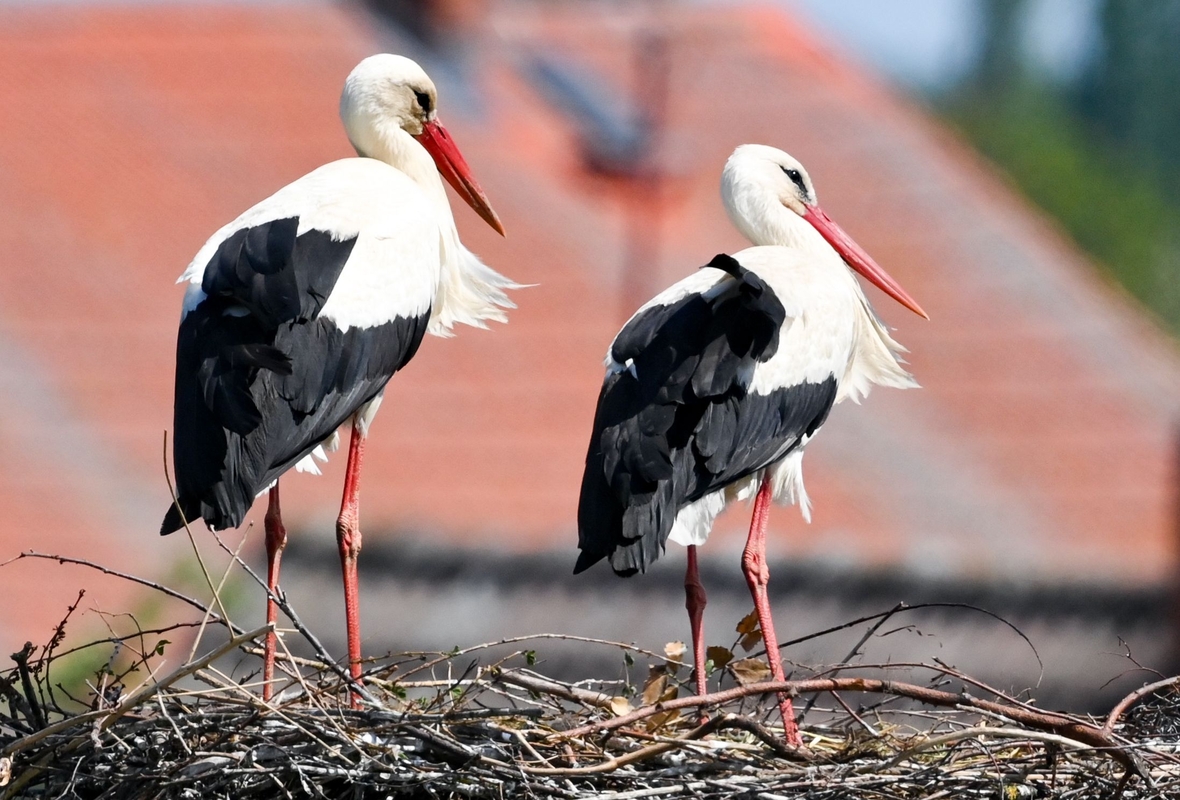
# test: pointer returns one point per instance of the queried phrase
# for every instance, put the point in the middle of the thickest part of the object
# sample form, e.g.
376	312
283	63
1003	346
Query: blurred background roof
1034	471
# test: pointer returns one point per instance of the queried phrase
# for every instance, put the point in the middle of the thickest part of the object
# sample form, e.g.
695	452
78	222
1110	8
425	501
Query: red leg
348	537
694	601
757	577
276	540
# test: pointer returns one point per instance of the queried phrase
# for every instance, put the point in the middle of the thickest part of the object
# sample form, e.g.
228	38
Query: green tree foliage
1102	156
1131	93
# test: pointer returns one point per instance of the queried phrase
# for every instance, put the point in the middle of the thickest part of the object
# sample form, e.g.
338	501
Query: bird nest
485	721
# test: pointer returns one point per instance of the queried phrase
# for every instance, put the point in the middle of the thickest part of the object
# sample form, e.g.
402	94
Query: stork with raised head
299	311
717	384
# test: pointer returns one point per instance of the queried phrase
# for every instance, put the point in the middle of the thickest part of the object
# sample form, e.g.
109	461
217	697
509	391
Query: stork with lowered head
299	311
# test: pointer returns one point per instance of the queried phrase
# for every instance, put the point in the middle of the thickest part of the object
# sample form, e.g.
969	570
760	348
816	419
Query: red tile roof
1041	445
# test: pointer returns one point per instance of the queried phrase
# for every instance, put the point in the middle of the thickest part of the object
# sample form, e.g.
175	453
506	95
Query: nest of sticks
485	721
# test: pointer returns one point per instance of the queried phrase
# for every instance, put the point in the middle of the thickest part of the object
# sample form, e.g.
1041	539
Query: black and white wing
291	325
676	419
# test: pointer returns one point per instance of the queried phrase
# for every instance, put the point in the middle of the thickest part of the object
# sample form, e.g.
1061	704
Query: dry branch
540	685
1046	721
472	724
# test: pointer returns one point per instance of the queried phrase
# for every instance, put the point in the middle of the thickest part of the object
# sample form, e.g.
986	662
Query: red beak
858	259
452	166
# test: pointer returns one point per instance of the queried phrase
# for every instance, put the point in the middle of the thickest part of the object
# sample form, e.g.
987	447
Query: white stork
299	311
716	385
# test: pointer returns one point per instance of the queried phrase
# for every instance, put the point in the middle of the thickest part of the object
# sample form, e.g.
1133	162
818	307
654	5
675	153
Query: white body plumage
386	211
407	259
300	311
830	330
715	387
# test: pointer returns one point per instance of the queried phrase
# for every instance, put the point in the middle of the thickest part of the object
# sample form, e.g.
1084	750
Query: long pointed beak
453	167
858	259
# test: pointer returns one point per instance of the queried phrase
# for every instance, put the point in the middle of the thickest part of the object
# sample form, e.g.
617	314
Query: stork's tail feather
195	511
586	560
173	521
631	536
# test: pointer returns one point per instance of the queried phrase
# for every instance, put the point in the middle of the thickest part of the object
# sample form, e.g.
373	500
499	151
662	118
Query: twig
848	710
907	607
59	633
280	599
651	751
1134	697
109	718
503	731
977	732
310	663
763	735
120	639
172	722
134	579
949	671
37	717
305	632
642	754
846	661
188	531
136	697
216	592
444	657
1046	721
535	683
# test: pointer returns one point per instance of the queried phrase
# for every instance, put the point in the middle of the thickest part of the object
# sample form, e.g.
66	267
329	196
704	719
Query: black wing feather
276	274
678	424
261	377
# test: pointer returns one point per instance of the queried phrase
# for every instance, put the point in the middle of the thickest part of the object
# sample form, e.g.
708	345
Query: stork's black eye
423	100
795	176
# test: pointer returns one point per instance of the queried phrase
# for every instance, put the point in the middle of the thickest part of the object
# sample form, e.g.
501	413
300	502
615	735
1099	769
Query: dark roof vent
434	23
618	131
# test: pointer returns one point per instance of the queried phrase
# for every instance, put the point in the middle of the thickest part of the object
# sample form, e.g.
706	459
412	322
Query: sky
928	44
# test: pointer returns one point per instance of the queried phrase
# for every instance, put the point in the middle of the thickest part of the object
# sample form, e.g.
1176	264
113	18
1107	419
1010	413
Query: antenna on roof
618	134
433	23
621	136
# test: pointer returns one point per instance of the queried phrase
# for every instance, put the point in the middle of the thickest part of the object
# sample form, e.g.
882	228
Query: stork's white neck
388	142
467	291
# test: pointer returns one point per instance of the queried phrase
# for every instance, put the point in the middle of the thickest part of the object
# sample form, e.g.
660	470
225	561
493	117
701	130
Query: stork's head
770	198
387	93
757	180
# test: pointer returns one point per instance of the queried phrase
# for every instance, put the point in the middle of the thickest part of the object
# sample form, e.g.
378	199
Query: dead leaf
658	688
657	681
720	656
674	651
750	630
751	640
748	624
620	706
5	771
750	670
